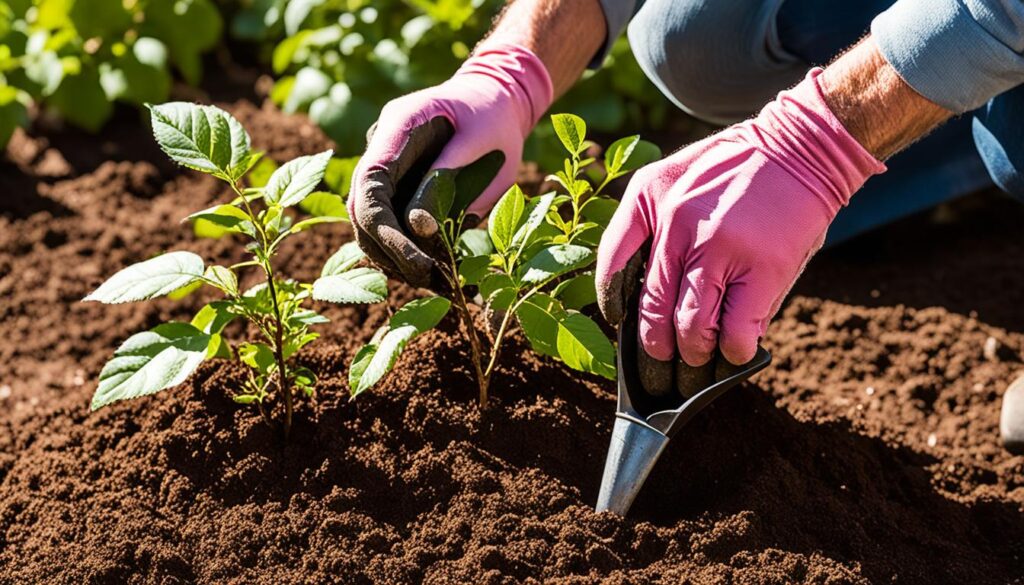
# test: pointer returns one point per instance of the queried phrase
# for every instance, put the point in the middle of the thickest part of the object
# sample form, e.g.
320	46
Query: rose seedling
530	266
207	139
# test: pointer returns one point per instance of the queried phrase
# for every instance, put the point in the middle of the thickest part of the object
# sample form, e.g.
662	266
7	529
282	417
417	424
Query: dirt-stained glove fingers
384	182
691	380
613	294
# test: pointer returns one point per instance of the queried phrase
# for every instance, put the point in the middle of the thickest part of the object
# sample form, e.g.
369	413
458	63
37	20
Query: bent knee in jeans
718	60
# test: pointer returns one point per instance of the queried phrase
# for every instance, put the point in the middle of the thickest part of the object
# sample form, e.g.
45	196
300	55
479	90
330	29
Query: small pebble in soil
932	440
875	293
991	345
870	390
5	392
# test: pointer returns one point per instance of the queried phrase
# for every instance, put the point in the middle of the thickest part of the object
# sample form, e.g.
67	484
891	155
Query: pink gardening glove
731	220
482	114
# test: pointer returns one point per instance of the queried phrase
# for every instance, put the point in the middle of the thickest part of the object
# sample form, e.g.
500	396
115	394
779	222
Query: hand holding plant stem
529	264
208	139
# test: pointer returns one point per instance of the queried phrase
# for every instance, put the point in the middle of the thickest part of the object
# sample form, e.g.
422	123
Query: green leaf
599	210
261	172
472	269
628	154
223	278
577	292
378	358
214	317
188	289
296	179
151	361
323	204
153	278
307	317
312	222
475	242
375	360
358	285
537	209
539	316
339	174
505	217
310	83
583	346
258	356
556	260
421	314
216	221
347	256
204	138
571	130
498	290
80	100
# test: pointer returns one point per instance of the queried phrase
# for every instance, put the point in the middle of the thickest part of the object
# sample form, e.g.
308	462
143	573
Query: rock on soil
868	453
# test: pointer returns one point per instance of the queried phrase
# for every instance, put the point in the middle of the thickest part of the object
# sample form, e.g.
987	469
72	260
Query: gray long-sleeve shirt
957	53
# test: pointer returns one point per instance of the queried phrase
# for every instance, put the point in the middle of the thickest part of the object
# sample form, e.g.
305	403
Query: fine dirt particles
867	453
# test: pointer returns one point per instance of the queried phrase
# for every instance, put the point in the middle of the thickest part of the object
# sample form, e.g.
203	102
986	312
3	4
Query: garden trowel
644	423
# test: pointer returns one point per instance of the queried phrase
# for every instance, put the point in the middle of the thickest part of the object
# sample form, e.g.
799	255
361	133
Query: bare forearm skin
564	34
874	104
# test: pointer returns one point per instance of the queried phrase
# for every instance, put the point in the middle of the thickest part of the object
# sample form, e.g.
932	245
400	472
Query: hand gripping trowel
644	423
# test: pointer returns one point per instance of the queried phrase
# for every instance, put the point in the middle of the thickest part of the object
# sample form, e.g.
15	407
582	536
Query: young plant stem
263	260
462	306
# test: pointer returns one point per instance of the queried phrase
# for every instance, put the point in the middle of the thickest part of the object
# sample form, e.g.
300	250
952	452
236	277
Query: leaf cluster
530	266
210	140
78	57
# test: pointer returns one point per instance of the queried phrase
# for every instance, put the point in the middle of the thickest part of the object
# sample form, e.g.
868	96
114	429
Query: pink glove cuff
520	72
799	132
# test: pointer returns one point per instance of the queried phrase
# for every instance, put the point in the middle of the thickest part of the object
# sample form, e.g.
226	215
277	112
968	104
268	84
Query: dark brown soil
868	453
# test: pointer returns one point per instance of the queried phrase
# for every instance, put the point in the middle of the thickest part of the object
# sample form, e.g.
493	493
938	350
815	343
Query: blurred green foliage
342	60
78	57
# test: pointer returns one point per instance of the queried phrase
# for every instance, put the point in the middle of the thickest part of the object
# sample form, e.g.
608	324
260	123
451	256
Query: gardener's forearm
875	105
564	34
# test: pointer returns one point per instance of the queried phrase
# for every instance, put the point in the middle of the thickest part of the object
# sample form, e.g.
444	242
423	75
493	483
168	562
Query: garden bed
867	453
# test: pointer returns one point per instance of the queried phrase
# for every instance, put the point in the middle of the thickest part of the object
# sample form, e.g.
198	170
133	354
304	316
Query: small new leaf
347	256
204	138
296	179
504	220
153	278
571	130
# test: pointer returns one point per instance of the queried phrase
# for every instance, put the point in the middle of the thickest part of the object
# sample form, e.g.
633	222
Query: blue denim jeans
728	58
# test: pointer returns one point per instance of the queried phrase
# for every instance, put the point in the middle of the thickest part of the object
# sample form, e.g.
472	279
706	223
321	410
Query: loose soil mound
867	453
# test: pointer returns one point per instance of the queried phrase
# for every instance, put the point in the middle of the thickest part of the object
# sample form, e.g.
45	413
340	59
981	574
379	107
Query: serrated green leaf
228	217
347	256
577	292
504	219
571	131
223	278
152	278
151	361
358	285
583	346
204	138
554	261
296	179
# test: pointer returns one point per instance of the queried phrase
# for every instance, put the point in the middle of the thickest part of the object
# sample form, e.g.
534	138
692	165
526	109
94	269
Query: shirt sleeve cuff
617	14
950	55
